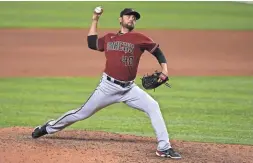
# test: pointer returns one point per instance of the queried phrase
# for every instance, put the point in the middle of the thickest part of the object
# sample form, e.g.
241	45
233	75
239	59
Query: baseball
98	10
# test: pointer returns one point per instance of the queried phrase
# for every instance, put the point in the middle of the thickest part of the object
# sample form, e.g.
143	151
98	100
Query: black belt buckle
124	84
119	83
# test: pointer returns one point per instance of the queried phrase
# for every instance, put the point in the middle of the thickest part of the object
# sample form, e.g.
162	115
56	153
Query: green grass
169	15
207	109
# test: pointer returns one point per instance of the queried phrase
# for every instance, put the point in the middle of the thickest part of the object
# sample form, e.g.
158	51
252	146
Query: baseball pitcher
123	50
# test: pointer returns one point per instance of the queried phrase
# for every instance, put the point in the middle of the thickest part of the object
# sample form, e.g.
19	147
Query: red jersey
123	53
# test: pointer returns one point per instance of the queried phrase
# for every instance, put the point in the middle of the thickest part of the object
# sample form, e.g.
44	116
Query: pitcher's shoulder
140	35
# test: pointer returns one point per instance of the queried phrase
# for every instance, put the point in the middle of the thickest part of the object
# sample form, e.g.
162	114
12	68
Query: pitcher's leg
92	105
98	100
137	98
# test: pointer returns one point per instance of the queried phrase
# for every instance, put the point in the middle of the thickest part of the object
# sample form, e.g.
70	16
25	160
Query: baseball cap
130	11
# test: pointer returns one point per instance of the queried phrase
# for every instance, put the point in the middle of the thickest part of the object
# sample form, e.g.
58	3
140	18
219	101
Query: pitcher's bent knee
153	106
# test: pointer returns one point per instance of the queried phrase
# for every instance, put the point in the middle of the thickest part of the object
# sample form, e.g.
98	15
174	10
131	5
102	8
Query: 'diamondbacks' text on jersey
123	52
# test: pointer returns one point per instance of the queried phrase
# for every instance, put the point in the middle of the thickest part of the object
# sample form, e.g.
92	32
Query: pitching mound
16	145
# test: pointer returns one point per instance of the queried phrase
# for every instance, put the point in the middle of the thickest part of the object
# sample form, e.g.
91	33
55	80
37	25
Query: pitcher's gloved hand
154	80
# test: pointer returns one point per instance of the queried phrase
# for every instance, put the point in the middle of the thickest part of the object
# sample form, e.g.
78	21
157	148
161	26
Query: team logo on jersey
121	46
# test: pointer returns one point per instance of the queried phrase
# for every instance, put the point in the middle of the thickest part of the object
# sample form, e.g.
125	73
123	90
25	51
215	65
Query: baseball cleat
168	153
40	130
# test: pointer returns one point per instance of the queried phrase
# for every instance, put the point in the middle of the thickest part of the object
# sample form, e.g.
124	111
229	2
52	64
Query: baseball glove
154	80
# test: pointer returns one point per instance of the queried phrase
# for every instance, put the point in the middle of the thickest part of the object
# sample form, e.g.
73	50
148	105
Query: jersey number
127	60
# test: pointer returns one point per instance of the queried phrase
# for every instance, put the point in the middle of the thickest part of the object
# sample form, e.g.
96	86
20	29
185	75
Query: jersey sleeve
148	44
100	43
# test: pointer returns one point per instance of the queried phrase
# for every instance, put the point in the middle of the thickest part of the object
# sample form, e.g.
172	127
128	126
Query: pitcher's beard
129	27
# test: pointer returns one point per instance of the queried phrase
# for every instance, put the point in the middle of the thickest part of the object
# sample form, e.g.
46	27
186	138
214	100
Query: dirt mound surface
17	145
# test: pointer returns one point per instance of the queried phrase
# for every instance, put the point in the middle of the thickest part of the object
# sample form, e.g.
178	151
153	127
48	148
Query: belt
122	84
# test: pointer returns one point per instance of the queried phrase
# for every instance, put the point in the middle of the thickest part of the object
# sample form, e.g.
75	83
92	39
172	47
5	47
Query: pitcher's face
128	21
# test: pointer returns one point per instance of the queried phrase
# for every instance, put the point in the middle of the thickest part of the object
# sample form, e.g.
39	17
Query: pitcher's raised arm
92	38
